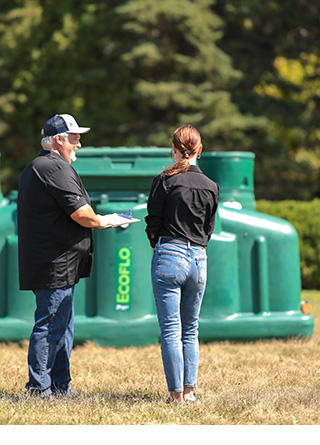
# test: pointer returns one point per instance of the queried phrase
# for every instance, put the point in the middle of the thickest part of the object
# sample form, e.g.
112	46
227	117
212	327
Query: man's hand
103	220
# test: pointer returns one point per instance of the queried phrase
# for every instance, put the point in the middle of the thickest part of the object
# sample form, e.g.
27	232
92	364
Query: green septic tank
253	288
254	281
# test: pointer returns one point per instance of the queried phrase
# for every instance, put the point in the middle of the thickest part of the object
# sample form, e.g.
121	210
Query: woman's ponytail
187	140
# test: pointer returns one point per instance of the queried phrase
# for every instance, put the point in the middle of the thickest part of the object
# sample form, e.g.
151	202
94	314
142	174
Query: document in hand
119	219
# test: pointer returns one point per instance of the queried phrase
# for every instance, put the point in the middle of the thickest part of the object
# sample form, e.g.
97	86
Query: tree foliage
275	46
245	72
132	70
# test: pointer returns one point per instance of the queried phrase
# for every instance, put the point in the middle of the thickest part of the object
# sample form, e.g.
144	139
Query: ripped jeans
179	275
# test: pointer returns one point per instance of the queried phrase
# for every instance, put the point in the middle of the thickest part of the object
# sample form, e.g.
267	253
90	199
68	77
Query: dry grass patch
269	382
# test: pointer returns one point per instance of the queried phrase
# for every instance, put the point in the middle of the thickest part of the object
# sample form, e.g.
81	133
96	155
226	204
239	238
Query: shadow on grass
129	398
11	397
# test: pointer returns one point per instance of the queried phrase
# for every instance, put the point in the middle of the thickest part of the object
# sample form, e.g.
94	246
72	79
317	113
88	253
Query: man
55	222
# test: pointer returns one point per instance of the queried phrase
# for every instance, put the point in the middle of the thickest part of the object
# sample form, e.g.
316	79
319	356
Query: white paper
115	220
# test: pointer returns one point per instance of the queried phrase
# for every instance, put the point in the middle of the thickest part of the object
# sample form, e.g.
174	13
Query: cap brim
79	130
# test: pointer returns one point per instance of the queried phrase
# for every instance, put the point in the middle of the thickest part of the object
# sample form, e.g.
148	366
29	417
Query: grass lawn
267	382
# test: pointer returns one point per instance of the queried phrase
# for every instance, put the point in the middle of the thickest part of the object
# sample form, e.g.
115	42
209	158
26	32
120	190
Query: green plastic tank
253	287
254	281
234	172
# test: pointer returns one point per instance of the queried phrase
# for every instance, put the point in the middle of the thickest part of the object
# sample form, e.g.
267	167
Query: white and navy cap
62	123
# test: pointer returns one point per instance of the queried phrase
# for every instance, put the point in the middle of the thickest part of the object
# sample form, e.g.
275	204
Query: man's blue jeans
179	275
51	341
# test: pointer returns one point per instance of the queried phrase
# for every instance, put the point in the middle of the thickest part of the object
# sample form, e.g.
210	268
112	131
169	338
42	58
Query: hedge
305	217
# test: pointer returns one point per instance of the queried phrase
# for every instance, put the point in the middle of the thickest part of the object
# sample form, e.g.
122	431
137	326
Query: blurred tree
52	61
245	72
276	47
133	70
179	73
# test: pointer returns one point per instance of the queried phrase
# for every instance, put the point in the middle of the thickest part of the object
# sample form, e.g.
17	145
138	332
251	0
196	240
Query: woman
181	217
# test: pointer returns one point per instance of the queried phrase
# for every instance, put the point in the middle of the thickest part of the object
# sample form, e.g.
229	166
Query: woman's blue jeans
51	341
179	275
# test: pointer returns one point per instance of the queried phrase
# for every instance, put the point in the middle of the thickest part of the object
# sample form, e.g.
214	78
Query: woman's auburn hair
187	140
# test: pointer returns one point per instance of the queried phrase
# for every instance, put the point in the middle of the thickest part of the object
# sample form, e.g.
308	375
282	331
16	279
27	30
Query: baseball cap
62	123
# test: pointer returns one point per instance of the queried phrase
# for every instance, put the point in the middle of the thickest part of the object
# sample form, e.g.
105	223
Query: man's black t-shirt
182	205
54	250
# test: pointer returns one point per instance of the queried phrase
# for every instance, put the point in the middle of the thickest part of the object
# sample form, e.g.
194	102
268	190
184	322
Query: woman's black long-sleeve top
182	205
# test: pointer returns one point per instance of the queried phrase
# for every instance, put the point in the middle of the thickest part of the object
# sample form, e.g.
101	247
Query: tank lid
229	154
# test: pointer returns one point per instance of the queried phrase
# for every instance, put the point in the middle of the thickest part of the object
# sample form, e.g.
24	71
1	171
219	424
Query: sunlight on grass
265	382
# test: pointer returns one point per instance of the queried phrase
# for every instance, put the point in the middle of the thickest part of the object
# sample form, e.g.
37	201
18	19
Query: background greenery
245	72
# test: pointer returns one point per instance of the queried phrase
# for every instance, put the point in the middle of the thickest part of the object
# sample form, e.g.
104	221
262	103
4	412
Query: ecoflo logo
123	279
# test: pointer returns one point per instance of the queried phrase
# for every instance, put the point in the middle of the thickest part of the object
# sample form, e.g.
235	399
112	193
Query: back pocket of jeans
201	263
168	265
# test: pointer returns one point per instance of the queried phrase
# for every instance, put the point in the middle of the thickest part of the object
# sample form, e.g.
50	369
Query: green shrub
305	217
